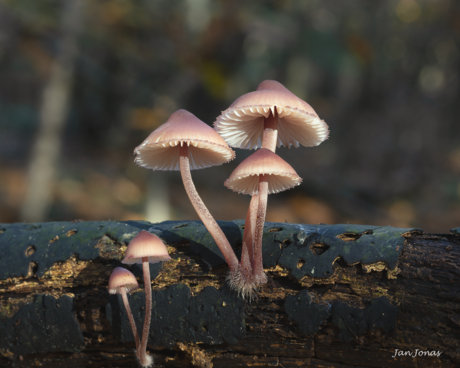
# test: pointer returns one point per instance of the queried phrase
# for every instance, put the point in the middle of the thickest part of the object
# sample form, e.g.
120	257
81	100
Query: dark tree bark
337	296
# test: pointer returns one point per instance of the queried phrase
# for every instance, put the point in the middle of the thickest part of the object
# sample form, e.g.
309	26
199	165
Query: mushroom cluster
269	117
145	248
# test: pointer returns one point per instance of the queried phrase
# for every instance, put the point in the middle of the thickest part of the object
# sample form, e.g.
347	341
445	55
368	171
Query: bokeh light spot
126	191
408	10
431	79
454	160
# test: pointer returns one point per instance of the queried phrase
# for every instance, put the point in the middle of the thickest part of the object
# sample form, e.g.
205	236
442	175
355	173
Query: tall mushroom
146	248
269	117
122	281
272	110
185	143
264	172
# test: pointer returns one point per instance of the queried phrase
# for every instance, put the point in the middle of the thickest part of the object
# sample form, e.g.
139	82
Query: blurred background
82	83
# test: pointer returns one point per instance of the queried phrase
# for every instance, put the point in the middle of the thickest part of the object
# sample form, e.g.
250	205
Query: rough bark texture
337	296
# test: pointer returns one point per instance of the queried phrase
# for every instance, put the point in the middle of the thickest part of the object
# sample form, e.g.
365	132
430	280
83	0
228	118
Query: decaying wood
422	292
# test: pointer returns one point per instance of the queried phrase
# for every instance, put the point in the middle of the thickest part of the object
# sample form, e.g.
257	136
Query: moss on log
337	296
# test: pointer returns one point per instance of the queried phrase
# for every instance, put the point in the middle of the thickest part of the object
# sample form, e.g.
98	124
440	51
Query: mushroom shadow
200	240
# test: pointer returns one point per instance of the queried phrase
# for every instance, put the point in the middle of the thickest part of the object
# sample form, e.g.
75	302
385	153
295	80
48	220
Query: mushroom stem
245	263
202	211
243	281
247	253
269	140
270	136
124	296
143	357
259	274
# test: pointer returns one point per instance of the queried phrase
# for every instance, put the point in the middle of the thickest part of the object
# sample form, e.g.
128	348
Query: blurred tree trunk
8	31
53	113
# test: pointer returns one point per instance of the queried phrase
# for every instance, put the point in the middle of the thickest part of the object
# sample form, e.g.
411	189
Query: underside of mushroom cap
241	125
245	178
206	148
122	278
147	245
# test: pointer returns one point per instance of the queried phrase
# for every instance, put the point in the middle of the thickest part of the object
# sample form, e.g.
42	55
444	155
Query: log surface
337	296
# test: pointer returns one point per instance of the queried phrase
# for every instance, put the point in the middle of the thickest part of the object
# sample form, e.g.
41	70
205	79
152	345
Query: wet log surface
337	296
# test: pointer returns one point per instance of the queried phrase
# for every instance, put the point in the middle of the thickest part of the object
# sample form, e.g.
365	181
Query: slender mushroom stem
243	281
145	359
202	211
269	140
245	262
247	253
259	274
270	136
124	296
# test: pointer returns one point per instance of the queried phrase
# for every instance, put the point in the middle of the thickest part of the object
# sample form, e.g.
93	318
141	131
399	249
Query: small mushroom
146	248
185	143
262	173
122	281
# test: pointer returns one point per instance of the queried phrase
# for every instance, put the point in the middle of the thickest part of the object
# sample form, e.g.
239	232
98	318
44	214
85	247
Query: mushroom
268	117
273	113
122	281
185	143
262	173
146	248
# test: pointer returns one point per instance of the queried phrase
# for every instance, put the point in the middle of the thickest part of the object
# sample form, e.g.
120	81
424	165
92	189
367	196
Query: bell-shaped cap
206	148
122	278
245	178
148	245
242	124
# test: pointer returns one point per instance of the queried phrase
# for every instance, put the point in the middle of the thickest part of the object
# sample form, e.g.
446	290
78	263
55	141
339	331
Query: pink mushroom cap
245	178
242	124
120	278
160	150
148	245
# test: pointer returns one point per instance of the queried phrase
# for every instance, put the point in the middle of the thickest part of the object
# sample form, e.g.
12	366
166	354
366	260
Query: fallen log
337	296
